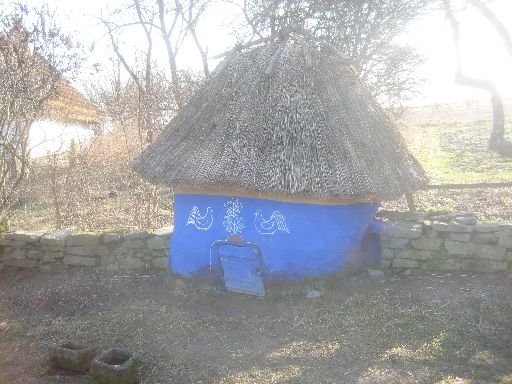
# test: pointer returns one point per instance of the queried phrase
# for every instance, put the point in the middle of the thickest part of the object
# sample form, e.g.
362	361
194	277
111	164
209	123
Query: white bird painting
203	222
270	226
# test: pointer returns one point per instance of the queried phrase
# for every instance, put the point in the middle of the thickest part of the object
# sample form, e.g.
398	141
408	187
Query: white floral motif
233	221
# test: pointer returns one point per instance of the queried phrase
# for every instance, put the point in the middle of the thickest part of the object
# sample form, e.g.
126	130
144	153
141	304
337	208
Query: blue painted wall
297	240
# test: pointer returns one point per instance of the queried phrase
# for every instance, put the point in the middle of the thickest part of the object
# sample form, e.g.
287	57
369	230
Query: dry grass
430	329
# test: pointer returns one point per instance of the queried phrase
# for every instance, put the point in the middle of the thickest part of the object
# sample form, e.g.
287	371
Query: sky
482	51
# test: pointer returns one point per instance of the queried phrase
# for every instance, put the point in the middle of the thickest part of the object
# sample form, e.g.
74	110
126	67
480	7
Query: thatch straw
309	128
69	106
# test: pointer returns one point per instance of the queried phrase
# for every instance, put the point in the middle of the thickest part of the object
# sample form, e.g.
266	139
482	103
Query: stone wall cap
164	231
26	236
452	226
75	239
492	227
55	237
136	235
404	229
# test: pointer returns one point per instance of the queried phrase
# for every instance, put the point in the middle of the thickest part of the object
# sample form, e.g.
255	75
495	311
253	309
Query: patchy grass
456	153
430	329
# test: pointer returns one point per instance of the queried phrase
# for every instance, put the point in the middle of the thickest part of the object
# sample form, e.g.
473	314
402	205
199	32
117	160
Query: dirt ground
390	329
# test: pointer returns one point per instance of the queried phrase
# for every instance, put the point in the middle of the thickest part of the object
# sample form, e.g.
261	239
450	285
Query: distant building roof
284	118
69	106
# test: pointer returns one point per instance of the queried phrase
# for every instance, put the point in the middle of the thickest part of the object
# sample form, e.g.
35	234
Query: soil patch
421	329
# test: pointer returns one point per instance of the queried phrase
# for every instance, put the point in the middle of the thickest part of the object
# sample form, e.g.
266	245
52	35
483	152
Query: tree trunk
497	141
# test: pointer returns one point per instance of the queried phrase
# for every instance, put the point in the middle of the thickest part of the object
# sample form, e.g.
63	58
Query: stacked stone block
457	244
136	250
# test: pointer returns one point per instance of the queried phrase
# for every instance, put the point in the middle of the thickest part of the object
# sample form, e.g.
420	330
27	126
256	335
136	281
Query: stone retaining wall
109	251
456	244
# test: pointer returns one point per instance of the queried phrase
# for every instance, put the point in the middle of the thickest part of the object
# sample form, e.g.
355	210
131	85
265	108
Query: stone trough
72	356
115	366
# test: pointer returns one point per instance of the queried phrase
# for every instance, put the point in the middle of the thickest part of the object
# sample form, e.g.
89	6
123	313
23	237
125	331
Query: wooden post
410	202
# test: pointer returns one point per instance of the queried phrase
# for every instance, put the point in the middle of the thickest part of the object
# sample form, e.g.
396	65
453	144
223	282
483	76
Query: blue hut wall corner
297	240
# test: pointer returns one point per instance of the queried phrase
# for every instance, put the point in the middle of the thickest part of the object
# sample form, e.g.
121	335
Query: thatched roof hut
286	118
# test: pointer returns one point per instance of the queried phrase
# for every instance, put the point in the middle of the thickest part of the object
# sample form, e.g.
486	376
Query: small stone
25	237
442	265
136	235
55	237
433	234
483	238
160	262
50	257
14	254
34	254
460	236
52	248
387	253
134	244
80	261
21	263
18	244
405	263
131	263
107	260
485	251
121	252
416	254
109	268
474	265
385	263
505	242
53	267
489	227
159	242
313	293
452	227
503	234
164	231
77	239
88	250
459	248
147	254
375	272
403	229
427	244
466	220
110	237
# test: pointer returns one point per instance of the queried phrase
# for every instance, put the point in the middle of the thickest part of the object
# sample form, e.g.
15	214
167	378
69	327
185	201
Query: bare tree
163	21
364	30
33	58
497	141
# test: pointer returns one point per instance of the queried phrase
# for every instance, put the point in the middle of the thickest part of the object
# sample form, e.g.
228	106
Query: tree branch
491	17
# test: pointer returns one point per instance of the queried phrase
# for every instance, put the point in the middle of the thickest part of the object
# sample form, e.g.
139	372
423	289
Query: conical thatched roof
285	118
